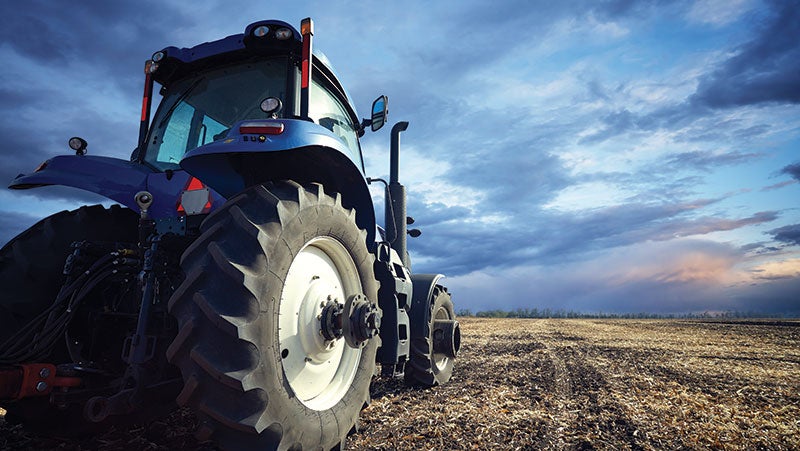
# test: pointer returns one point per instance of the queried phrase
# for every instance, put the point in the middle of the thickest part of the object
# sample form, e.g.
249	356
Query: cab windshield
201	109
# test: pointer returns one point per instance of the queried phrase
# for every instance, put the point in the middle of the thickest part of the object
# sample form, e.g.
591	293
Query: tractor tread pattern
419	369
219	354
31	264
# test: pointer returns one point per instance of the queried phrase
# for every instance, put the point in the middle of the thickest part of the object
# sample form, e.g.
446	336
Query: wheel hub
446	337
331	321
364	321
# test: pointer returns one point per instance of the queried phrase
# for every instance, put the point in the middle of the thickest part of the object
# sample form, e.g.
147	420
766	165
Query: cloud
792	170
707	161
764	70
718	12
13	223
462	245
74	69
678	276
552	155
91	34
789	234
666	277
779	185
777	297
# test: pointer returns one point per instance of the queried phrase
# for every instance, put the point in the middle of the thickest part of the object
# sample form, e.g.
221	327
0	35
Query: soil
562	384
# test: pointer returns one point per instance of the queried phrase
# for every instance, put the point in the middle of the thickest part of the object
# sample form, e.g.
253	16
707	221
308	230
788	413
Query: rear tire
31	264
425	366
248	344
31	274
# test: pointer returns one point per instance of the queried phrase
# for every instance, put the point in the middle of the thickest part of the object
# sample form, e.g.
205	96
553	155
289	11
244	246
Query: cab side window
327	111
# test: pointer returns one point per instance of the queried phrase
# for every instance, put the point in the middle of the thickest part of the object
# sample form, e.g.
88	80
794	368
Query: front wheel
268	285
435	339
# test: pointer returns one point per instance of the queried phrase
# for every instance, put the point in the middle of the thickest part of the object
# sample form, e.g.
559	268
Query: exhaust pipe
395	212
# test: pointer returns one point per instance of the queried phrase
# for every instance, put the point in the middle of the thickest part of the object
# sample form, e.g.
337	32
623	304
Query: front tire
256	369
430	363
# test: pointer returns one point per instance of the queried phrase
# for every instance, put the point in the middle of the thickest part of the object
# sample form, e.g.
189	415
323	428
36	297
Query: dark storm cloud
787	234
12	223
664	277
24	146
764	70
557	238
100	44
115	35
792	170
776	296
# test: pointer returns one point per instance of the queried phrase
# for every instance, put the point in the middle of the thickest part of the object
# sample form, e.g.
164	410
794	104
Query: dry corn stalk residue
563	384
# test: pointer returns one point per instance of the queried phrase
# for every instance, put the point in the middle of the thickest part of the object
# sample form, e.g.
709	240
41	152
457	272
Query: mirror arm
362	127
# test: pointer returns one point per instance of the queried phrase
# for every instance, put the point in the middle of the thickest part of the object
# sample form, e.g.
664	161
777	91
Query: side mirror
379	112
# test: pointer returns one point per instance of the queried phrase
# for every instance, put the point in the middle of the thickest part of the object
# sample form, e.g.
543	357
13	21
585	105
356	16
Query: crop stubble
602	384
567	384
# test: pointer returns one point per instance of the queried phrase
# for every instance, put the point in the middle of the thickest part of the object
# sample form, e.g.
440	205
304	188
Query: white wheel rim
319	372
440	359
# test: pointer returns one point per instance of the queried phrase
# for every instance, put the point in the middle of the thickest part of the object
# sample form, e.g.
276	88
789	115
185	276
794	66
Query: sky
595	156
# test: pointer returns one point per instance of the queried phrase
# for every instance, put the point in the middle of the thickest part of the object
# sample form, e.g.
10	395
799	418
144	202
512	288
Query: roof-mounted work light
261	31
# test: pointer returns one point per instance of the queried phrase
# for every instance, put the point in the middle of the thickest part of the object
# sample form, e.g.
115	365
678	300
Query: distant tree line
549	313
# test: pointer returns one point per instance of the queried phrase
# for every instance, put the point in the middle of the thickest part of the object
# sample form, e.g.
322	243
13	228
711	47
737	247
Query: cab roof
259	39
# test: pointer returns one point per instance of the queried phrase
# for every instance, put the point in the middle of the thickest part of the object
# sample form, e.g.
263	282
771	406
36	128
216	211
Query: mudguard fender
114	178
423	287
303	151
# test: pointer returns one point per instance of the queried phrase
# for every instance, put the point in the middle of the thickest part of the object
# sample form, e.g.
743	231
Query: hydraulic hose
35	341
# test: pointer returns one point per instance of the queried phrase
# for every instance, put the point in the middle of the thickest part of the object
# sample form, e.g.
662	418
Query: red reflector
261	128
194	184
145	101
195	198
304	75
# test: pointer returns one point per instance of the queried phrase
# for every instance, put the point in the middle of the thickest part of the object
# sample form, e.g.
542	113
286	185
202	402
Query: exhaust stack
395	212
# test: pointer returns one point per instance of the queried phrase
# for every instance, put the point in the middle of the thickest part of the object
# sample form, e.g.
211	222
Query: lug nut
44	373
41	386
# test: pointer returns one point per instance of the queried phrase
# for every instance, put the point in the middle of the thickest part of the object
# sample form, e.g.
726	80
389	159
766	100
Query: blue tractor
244	275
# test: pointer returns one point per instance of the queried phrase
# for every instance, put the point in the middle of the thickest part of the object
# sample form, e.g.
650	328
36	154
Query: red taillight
195	198
261	128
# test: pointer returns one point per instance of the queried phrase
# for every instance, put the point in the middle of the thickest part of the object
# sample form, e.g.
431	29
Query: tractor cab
214	88
201	109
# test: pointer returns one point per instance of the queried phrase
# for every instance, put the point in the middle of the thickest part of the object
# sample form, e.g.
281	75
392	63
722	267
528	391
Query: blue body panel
117	179
212	164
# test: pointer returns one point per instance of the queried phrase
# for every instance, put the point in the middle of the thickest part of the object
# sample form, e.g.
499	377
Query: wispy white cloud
718	12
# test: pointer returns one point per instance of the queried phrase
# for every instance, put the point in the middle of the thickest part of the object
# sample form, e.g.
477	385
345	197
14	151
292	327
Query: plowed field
566	384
